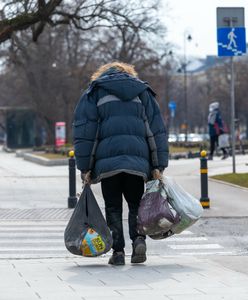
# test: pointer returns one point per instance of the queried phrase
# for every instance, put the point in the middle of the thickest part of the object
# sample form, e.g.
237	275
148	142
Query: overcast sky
197	17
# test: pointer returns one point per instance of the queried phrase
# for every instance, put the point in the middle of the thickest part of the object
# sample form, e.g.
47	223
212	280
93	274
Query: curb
230	184
44	161
20	153
178	155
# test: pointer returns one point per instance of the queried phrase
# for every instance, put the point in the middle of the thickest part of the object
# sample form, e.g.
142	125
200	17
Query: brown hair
120	66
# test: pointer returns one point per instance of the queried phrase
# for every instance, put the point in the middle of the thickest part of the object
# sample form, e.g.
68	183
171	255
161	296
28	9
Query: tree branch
25	20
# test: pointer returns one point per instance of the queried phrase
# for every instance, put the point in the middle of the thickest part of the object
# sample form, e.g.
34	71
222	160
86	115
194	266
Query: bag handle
96	141
85	203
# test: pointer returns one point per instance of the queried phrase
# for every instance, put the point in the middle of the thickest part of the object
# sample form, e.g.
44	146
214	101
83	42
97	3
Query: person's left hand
156	174
86	177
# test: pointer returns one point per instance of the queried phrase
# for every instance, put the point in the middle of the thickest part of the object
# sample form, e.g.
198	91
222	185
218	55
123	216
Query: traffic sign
231	41
172	105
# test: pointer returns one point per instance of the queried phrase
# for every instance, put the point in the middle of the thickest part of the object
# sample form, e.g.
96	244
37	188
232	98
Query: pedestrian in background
111	146
216	129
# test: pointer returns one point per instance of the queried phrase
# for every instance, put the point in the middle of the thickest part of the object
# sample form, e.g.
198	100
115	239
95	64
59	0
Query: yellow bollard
71	153
72	199
204	180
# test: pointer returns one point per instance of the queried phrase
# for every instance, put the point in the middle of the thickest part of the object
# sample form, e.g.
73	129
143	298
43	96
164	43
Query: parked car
181	137
195	137
172	138
192	137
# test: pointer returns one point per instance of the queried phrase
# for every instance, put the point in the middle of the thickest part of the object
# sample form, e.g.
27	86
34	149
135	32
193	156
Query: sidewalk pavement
184	278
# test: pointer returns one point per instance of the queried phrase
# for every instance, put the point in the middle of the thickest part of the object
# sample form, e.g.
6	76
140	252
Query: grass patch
177	149
51	155
238	179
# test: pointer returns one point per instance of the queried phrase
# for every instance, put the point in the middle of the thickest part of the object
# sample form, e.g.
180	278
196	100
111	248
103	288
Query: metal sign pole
233	116
233	110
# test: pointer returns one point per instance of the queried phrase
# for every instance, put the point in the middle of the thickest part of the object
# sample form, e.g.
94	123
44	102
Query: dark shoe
117	258
225	156
210	157
139	251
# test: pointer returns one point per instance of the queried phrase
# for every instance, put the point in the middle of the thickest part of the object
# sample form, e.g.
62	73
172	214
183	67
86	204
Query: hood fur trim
120	66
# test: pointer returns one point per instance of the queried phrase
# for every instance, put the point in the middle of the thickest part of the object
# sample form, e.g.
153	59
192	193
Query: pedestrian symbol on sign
231	36
231	41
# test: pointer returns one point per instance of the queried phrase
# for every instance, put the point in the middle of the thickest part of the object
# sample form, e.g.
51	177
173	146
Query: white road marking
210	253
185	239
186	232
198	246
46	248
29	229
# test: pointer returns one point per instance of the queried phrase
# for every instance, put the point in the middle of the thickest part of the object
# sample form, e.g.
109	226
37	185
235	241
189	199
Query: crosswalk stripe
186	232
33	249
210	253
31	239
184	239
21	235
198	246
56	241
29	229
29	223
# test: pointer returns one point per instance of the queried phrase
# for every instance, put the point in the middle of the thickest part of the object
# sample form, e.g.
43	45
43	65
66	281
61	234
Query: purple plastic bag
155	215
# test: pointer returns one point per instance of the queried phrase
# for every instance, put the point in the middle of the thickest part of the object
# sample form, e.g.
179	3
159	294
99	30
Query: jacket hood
214	106
120	84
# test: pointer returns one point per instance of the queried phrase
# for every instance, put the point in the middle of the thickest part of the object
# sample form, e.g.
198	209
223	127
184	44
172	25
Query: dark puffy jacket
115	101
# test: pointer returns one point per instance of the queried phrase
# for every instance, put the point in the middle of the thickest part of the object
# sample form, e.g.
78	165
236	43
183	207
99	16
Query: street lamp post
167	82
185	84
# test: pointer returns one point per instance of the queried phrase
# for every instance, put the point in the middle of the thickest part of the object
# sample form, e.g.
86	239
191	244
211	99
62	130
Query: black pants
214	143
132	187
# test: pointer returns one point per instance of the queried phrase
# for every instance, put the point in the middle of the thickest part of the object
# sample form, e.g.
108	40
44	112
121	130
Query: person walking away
111	146
216	128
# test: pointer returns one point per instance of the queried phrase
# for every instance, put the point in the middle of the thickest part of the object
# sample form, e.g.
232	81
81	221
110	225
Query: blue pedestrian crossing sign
231	41
172	106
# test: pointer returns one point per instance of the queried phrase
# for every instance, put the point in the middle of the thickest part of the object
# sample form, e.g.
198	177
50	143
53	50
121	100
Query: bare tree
53	71
18	15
